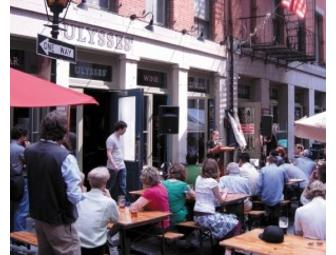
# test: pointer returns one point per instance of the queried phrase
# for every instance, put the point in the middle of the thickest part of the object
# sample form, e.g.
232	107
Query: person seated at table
306	164
234	183
193	169
270	187
208	196
318	174
293	172
248	171
178	190
95	212
310	219
155	195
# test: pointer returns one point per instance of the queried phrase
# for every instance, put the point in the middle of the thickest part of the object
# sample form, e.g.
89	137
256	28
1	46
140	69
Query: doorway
155	144
126	105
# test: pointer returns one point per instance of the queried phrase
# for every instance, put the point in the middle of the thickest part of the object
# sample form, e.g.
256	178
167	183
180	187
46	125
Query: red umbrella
29	91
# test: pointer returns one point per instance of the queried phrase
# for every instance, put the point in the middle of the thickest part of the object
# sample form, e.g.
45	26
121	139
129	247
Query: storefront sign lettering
97	37
91	71
151	78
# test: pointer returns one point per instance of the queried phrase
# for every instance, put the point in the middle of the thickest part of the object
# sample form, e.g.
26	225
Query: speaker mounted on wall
266	125
169	119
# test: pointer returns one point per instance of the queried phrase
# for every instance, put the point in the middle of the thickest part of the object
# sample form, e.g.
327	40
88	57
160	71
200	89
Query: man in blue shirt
270	187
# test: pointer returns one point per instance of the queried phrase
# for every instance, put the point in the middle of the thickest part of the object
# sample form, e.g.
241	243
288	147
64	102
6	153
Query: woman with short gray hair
95	212
155	195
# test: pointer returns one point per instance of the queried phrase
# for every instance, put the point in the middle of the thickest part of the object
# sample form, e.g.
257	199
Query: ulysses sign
97	37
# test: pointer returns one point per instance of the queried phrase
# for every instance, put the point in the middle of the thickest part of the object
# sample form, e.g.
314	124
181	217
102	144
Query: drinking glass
121	201
283	223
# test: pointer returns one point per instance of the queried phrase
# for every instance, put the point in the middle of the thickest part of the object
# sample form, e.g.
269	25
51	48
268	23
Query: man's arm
70	173
109	156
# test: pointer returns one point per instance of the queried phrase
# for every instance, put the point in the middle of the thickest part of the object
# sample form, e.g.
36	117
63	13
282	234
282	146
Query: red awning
29	91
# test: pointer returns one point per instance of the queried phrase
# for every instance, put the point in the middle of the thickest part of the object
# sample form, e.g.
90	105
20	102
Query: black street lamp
56	7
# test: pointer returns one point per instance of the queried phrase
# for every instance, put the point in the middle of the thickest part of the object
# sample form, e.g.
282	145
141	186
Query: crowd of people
73	220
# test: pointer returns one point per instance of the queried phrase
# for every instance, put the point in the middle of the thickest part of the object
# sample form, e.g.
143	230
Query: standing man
115	161
54	188
19	193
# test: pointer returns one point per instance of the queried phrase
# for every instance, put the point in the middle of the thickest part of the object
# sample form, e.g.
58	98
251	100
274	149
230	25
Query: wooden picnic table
127	222
293	245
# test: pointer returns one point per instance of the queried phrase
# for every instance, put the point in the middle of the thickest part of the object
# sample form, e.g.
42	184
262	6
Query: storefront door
155	144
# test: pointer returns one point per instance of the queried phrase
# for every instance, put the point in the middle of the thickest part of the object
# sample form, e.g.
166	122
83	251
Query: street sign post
55	49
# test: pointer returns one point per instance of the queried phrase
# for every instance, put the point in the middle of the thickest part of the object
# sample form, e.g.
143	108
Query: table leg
124	242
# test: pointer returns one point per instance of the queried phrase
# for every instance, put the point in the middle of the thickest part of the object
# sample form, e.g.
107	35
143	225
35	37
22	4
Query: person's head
298	149
177	171
210	168
120	127
316	189
233	168
244	157
150	176
281	151
54	126
98	177
215	135
275	128
191	158
19	132
273	157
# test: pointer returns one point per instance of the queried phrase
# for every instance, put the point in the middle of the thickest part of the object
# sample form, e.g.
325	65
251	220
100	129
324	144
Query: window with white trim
202	17
159	10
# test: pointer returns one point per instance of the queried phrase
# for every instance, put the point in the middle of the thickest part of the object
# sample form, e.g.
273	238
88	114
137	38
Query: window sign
198	84
91	71
151	78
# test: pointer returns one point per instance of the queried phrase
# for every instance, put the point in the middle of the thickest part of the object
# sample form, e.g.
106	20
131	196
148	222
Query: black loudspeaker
266	125
169	119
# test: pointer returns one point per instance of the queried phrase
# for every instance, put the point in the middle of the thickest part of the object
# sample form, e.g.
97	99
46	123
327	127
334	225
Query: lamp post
56	7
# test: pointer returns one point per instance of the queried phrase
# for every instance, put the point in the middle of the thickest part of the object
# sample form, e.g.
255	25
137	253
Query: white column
62	73
221	103
311	109
179	92
128	68
290	113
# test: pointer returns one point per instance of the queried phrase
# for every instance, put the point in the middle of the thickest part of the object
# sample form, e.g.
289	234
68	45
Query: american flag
297	6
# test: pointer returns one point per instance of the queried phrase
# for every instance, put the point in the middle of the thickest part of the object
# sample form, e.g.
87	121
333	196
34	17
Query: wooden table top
293	245
235	197
230	198
142	218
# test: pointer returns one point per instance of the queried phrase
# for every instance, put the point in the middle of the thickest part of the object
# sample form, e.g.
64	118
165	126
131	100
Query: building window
159	10
198	84
319	50
202	17
101	4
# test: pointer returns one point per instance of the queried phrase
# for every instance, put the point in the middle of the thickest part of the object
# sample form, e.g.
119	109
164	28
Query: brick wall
181	14
218	10
129	7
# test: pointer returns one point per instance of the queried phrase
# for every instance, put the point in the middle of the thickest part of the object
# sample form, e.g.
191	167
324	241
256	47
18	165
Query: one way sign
53	48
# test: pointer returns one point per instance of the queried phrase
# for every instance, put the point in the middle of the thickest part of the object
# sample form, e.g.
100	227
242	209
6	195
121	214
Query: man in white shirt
95	212
248	171
115	161
310	219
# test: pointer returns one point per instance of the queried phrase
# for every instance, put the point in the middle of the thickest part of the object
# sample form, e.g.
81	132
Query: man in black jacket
54	191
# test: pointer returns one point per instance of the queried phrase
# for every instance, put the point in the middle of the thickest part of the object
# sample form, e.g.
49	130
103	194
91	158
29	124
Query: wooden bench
27	238
253	217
